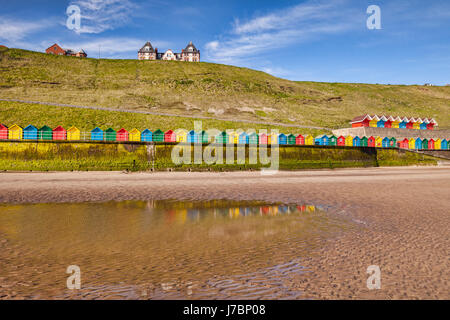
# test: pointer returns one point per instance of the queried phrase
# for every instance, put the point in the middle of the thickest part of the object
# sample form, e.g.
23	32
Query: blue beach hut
357	141
380	124
30	133
243	138
402	125
282	139
385	142
418	143
193	137
324	140
97	134
146	136
423	126
444	144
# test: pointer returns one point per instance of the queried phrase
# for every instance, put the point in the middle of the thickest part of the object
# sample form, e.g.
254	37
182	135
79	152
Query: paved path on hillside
167	114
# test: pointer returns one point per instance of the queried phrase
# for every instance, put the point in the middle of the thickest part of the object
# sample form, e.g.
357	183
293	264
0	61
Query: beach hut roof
243	134
110	130
122	131
3	126
158	131
30	127
169	131
181	131
134	130
45	128
282	135
59	128
73	128
97	129
146	131
299	136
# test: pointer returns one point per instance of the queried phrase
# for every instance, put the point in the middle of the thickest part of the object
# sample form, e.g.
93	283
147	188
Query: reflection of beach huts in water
283	209
158	136
73	133
59	133
146	135
169	136
110	134
45	133
3	132
134	135
233	212
30	132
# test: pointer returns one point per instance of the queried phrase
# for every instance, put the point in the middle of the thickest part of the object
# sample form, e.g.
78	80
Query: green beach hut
158	136
364	141
332	140
253	138
291	139
45	133
110	134
222	137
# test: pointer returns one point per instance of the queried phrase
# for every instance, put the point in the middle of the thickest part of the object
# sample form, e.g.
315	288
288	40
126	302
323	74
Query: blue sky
299	40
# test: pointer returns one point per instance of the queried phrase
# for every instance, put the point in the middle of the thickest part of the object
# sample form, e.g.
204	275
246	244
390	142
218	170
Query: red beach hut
371	142
431	144
410	124
263	138
122	135
341	141
3	131
300	140
59	133
404	144
169	136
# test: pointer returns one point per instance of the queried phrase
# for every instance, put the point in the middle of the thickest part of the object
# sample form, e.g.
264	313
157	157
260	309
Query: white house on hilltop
189	54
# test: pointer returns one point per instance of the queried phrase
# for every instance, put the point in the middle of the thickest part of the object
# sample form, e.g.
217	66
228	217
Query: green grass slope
208	89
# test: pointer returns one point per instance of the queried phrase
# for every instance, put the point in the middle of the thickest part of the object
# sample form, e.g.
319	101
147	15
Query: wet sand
404	211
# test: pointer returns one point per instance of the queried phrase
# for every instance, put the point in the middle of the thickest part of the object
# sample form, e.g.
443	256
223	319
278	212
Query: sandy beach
405	212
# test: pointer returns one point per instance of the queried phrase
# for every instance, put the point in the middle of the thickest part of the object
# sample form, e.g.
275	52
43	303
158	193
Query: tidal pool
160	249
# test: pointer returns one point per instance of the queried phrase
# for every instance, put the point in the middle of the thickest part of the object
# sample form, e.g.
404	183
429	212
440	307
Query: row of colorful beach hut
30	132
383	121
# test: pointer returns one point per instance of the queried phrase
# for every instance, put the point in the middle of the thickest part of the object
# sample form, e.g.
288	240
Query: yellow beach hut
417	123
374	121
412	143
134	135
15	132
437	144
396	122
181	135
378	142
309	140
233	137
272	138
349	141
73	133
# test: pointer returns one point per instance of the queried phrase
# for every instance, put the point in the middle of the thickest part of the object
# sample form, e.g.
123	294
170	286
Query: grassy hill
198	89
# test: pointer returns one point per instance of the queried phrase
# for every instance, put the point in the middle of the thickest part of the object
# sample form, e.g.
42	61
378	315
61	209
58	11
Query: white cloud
101	15
16	30
282	28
